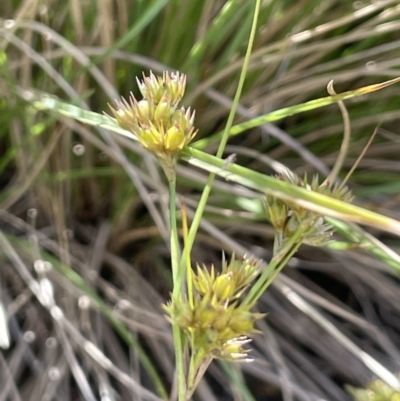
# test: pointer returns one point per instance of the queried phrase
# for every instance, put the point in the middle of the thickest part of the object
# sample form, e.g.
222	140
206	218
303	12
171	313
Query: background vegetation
84	213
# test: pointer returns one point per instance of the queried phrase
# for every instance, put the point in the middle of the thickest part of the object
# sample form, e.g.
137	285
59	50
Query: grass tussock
86	212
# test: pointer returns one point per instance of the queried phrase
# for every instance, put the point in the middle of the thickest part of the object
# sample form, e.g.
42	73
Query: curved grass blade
324	205
79	114
318	203
366	241
289	111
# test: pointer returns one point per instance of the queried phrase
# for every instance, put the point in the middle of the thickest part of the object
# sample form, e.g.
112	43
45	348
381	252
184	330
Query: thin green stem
174	240
198	366
277	263
235	104
346	139
178	270
207	189
193	365
177	290
180	368
189	271
310	200
189	279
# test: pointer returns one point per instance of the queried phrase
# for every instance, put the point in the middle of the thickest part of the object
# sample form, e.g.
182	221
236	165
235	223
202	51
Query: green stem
180	368
277	263
174	240
207	189
310	200
192	367
177	275
198	366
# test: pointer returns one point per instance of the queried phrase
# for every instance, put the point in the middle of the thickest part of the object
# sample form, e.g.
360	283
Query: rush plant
166	179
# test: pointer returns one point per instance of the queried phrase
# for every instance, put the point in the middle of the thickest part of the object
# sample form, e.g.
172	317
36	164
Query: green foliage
375	391
82	195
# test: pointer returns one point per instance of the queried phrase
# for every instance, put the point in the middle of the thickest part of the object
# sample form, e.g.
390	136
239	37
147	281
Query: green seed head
287	217
155	120
216	323
224	287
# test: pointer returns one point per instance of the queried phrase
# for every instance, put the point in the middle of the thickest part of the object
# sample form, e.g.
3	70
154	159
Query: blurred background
83	212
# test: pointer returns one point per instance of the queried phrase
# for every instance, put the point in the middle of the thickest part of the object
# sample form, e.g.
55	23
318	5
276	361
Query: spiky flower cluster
216	322
156	121
287	217
377	390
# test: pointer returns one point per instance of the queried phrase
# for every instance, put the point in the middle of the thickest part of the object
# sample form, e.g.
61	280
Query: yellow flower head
156	121
217	323
287	217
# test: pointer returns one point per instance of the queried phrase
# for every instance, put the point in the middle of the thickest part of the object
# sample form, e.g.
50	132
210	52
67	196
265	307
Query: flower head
169	88
156	121
217	323
376	390
287	217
